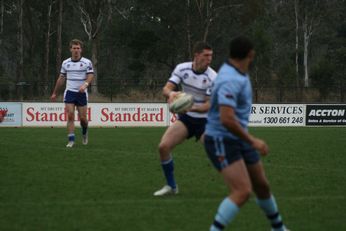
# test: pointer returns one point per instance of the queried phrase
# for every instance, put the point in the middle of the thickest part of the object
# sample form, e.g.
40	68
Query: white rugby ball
182	103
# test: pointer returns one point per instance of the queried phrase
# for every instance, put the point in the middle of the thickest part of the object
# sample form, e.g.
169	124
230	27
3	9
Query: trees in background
137	43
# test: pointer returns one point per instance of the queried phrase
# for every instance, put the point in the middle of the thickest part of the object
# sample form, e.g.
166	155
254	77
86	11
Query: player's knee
242	195
246	193
70	116
164	148
83	122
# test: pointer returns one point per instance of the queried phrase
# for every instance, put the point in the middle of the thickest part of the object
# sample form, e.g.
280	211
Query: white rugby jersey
197	84
76	72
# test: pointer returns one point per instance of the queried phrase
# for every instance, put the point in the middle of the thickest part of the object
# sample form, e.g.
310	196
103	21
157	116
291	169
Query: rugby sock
225	214
84	130
270	208
71	137
84	126
168	169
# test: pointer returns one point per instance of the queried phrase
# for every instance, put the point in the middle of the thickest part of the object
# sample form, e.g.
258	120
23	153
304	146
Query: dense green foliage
108	184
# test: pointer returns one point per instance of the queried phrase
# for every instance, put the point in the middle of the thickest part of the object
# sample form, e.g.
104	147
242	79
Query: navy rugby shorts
195	126
76	98
224	151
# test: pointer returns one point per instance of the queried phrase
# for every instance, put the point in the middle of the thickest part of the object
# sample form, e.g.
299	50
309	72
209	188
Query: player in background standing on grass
194	78
230	147
78	73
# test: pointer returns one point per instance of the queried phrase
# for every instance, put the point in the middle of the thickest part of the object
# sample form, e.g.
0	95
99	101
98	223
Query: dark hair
76	42
240	47
200	46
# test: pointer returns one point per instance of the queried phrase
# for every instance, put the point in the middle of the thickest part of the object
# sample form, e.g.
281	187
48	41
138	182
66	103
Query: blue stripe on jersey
196	73
186	68
204	73
76	79
178	76
75	71
176	85
80	60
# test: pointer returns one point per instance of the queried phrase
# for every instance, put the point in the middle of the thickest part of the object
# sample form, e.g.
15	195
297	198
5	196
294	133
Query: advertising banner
130	114
44	114
325	115
98	114
277	115
13	116
157	114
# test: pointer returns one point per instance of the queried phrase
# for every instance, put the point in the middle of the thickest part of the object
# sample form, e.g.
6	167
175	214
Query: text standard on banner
158	115
98	114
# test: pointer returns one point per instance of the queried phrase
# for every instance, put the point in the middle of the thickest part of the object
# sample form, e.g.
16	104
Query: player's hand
82	88
260	146
172	96
194	108
53	97
184	112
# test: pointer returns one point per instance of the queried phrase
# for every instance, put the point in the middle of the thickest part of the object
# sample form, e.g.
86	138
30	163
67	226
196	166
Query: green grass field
108	184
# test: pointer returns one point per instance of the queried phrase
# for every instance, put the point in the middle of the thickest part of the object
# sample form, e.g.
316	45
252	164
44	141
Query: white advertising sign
157	114
13	116
130	114
99	114
275	115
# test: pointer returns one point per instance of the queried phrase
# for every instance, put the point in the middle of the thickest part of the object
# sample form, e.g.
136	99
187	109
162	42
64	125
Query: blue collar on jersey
76	60
197	72
239	71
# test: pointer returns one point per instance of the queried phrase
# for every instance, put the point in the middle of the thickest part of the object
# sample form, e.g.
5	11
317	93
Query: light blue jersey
231	88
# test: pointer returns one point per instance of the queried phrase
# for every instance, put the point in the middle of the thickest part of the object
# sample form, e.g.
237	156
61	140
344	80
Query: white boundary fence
157	115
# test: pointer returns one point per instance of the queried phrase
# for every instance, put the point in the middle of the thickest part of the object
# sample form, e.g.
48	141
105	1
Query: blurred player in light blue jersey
78	73
231	149
194	78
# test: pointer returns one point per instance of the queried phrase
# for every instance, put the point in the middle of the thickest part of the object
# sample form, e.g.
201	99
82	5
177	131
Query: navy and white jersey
76	72
197	84
231	88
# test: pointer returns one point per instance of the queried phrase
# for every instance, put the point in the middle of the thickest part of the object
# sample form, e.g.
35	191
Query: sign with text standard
158	115
98	114
328	114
